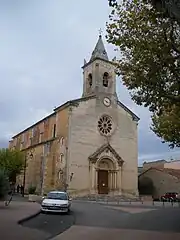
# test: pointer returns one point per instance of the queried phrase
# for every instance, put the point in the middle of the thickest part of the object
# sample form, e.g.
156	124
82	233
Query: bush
32	190
4	183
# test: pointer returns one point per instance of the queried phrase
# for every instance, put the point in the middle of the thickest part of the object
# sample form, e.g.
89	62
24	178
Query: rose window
105	125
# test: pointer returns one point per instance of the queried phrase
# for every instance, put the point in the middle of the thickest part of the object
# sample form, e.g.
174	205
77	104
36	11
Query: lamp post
24	174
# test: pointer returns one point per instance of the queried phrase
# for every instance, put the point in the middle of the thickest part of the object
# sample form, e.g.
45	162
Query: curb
29	217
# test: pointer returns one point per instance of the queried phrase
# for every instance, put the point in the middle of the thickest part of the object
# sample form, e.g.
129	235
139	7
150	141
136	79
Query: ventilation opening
105	79
90	79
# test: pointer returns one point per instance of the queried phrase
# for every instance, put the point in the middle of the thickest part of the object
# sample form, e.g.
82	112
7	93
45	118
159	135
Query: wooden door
103	182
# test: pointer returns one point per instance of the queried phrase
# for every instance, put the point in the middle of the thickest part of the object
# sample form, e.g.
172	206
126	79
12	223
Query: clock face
107	102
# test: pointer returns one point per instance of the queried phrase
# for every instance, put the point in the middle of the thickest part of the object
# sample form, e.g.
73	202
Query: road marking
131	210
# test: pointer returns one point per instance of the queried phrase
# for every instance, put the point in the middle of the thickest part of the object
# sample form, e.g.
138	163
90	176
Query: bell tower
99	76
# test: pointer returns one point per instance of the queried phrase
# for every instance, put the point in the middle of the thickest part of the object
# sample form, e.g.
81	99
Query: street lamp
25	164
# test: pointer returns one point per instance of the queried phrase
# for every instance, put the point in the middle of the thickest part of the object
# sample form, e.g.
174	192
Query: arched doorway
105	166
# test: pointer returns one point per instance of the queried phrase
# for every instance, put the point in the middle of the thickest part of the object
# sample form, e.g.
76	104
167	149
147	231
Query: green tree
12	161
4	183
149	62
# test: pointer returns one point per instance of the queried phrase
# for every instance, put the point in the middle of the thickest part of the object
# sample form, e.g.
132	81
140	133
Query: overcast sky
42	47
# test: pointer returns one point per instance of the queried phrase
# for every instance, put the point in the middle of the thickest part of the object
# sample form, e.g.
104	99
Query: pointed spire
99	50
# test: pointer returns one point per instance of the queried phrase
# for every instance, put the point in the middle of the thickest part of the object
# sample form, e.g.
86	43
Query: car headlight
64	205
44	204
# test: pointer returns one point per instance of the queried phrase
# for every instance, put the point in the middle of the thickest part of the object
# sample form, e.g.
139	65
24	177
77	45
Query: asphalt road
52	224
97	215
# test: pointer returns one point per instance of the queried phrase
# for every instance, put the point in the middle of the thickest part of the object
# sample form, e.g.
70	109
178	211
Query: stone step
106	198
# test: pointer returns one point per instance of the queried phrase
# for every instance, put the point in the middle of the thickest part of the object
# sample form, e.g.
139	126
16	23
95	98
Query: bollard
172	203
153	202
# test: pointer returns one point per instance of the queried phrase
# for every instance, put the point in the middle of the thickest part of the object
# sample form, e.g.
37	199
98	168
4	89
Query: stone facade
154	164
88	145
173	164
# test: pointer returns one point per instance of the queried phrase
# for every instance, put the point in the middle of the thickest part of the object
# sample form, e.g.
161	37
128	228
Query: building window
22	138
90	79
40	137
60	175
61	158
21	146
54	131
32	132
47	148
105	79
62	141
15	141
105	125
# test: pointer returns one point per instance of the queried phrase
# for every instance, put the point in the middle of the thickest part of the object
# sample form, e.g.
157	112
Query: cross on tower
100	32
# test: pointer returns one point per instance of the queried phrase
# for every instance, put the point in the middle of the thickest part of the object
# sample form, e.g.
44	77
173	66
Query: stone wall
162	181
85	139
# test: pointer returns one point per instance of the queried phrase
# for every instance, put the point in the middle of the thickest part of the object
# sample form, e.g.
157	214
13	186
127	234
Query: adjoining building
164	176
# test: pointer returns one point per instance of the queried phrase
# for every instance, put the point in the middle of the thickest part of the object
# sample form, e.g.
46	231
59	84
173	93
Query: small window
40	137
54	131
61	158
32	132
62	141
60	175
105	79
21	146
90	79
47	148
22	138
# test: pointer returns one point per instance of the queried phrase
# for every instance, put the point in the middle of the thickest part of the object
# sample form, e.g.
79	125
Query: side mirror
43	197
70	199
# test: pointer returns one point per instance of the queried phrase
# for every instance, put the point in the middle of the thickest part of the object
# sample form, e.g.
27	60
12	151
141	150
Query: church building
87	145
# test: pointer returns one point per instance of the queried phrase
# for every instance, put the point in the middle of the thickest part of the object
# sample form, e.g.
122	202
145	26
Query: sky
43	44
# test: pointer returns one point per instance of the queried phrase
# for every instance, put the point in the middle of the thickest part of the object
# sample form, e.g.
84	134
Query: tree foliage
4	183
12	161
149	43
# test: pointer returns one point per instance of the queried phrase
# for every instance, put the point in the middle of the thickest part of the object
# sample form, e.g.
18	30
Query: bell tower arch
99	76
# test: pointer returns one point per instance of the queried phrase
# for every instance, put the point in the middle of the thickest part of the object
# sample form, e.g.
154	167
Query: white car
56	201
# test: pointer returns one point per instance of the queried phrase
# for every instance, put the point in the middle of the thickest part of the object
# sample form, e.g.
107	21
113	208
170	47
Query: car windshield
59	196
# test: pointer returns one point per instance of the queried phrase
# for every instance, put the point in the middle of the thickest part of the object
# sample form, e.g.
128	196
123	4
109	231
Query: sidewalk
97	233
11	215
